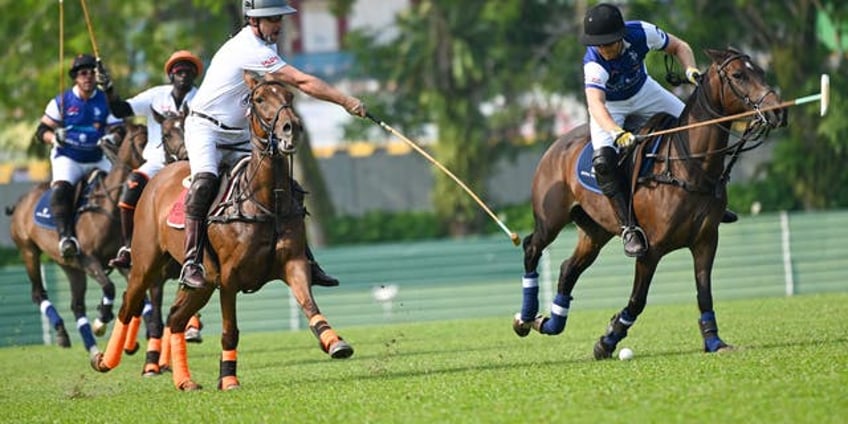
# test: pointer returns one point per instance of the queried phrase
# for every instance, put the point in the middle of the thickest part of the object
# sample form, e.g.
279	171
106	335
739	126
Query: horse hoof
521	328
62	338
164	368
229	382
340	350
97	363
151	370
132	350
192	335
602	351
188	386
99	327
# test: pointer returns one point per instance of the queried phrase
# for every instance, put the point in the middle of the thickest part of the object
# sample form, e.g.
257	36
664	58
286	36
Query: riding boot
61	200
123	258
200	195
319	277
610	181
129	199
729	216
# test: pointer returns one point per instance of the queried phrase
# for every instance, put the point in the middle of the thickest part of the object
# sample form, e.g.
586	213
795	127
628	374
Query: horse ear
716	56
252	78
158	117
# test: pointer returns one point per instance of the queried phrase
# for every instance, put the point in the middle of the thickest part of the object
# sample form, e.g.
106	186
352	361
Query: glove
59	136
104	81
624	138
693	75
358	108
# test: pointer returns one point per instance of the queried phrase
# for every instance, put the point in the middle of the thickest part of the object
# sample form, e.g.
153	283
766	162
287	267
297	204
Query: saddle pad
176	217
42	214
586	174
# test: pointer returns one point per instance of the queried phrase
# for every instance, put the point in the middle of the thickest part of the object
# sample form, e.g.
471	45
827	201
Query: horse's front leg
227	379
623	320
703	255
186	304
155	326
77	280
297	277
104	308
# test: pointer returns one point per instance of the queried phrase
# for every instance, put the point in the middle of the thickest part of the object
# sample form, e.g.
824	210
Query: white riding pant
202	139
67	169
651	99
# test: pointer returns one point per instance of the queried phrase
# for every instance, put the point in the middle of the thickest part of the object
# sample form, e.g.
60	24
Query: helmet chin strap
265	38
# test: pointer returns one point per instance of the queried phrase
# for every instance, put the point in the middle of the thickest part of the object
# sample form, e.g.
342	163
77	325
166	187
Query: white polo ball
625	354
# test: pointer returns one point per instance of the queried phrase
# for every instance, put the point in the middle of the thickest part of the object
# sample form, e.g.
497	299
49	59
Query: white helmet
265	8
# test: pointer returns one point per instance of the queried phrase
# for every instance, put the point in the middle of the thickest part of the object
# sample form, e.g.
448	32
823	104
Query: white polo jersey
161	100
223	95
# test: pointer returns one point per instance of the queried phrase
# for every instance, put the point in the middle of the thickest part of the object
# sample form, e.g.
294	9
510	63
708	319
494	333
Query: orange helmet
183	56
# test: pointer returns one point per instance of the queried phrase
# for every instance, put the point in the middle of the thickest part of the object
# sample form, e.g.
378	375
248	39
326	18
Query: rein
267	149
755	132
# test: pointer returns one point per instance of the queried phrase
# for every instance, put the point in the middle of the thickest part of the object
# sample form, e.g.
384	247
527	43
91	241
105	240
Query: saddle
641	156
229	195
42	213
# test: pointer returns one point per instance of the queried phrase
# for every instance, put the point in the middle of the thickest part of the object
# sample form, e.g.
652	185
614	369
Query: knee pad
132	190
200	195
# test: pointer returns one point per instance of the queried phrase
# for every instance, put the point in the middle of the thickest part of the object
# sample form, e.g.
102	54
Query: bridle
270	142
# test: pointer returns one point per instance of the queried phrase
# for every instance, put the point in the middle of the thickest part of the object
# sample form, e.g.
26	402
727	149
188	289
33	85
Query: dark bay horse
258	236
679	201
98	232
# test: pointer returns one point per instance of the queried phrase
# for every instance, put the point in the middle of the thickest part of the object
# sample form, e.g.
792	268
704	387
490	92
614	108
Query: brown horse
258	236
99	234
679	201
172	134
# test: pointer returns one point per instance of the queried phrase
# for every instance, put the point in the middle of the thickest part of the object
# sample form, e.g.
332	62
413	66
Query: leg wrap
559	314
132	190
709	331
530	296
618	326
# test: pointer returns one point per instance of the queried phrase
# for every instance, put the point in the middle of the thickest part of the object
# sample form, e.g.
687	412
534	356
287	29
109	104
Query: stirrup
634	231
69	247
197	268
122	259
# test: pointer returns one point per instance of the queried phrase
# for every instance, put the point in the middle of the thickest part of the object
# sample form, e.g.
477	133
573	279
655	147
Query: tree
451	58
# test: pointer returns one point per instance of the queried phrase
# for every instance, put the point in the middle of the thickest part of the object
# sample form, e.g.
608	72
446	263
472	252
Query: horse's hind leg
547	227
104	308
31	256
703	255
621	322
588	247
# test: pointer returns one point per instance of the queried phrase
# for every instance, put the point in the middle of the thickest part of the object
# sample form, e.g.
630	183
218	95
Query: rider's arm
596	102
316	87
681	50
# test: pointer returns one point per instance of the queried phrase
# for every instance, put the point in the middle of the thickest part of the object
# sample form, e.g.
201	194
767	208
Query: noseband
270	141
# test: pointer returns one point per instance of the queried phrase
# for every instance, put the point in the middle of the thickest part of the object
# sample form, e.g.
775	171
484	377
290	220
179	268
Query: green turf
790	365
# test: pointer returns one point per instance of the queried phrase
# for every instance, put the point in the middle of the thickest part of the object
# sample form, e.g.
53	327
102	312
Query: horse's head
741	87
173	134
273	123
123	144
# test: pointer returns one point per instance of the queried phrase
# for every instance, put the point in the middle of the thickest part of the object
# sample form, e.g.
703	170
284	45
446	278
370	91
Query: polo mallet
512	235
61	55
90	30
823	96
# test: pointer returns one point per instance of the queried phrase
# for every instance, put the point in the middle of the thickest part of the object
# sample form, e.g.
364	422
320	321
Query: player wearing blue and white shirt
219	117
618	86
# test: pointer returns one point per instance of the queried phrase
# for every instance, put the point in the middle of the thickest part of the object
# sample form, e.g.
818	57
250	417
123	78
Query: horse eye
259	100
740	75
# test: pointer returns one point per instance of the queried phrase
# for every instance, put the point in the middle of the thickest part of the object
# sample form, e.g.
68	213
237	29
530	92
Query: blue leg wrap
50	312
559	314
617	330
530	301
709	330
85	332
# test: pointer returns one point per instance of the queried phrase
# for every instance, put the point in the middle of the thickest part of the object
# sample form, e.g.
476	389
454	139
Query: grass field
790	366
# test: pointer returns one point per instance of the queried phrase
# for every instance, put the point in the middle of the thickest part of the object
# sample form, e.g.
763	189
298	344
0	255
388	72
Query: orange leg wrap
179	359
165	356
153	345
194	321
328	337
131	342
229	355
114	350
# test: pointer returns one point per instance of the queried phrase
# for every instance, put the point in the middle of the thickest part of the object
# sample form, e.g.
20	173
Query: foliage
476	370
378	226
